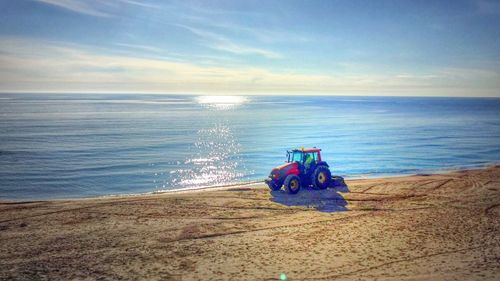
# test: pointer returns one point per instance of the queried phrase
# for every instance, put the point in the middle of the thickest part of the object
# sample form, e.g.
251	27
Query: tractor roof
314	149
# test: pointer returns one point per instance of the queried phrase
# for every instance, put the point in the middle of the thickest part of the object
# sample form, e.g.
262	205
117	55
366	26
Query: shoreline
440	227
249	183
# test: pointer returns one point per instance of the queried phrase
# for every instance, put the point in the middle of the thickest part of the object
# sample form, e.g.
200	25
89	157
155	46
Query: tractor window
314	155
296	156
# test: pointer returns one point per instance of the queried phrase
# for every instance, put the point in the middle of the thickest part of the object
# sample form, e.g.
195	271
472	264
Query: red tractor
303	167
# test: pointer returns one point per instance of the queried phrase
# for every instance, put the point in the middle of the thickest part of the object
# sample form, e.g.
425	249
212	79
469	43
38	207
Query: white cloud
467	73
268	35
82	7
99	8
144	48
34	65
244	50
219	42
139	3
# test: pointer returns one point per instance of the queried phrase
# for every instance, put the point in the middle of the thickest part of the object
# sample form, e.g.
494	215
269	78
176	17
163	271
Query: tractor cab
306	159
300	155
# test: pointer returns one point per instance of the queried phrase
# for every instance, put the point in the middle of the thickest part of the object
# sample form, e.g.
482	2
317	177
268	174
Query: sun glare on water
222	102
214	159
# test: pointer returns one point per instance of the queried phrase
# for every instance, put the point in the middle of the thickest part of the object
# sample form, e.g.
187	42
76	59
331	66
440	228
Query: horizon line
246	94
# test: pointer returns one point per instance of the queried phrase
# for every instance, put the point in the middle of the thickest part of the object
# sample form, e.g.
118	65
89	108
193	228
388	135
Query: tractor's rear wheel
292	184
321	177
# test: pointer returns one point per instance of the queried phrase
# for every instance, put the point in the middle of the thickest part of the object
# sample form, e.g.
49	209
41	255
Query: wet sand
440	227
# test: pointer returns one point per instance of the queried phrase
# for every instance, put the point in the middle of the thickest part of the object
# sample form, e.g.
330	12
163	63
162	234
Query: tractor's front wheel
292	184
321	177
274	185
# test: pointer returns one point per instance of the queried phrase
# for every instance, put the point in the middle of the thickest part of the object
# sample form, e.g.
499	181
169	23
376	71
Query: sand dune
418	227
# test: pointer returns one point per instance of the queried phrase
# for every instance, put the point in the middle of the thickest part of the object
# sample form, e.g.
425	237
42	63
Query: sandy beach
423	227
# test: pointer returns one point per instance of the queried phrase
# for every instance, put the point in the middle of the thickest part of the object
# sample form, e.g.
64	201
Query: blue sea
85	145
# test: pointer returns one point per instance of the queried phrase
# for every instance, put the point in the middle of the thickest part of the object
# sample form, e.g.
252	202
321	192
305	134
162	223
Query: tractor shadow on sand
327	200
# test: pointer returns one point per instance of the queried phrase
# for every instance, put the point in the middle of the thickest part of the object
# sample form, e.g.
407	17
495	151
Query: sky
393	47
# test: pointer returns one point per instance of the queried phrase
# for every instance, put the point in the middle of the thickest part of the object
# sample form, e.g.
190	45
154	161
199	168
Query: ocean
85	145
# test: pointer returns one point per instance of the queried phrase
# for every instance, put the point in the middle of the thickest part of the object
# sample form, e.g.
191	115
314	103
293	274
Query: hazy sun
222	102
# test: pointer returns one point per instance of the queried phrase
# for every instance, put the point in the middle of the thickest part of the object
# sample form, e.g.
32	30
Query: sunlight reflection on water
215	155
214	162
222	102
